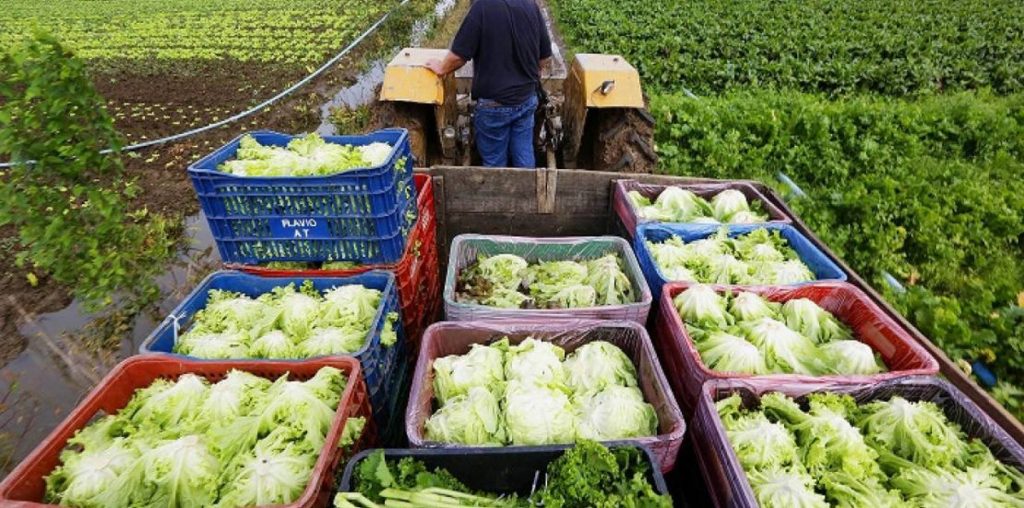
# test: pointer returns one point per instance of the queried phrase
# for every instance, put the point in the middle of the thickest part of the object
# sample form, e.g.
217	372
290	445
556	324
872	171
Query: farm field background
902	121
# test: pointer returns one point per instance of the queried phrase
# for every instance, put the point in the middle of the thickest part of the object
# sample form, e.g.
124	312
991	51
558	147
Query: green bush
71	205
929	190
835	47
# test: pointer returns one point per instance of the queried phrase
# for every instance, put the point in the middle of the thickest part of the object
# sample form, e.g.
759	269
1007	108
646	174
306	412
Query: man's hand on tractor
448	65
436	65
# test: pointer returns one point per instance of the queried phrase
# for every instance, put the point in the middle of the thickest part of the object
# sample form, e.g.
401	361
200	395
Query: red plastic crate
902	355
628	218
25	485
417	273
452	337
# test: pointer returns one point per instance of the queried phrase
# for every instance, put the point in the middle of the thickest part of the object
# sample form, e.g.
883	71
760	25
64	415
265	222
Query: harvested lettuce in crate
509	281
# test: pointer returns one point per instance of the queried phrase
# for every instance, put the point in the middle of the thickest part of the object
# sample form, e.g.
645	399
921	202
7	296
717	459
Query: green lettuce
702	306
605	275
269	475
617	412
758	442
181	472
597	365
309	155
828	441
784	350
785	488
538	415
761	256
724	352
503	270
747	306
482	366
916	431
806	317
473	418
536	361
850	357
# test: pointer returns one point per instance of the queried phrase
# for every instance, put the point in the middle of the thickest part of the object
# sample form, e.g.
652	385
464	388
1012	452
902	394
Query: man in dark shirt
508	43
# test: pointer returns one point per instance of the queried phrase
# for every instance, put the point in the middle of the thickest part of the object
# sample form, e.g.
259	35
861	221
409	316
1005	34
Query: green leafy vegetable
615	412
785	488
287	322
815	323
471	418
527	395
590	475
243	441
745	333
725	352
675	204
899	453
535	361
761	256
509	281
538	415
483	366
597	365
305	156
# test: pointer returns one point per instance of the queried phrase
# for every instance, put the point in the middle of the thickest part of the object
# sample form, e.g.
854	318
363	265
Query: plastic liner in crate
362	215
416	274
819	263
466	248
627	213
511	470
378	361
726	481
455	338
902	355
25	486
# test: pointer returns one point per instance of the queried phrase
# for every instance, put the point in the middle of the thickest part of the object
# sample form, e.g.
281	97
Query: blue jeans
504	134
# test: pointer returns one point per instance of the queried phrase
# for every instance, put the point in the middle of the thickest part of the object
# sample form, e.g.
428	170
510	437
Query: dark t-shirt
486	38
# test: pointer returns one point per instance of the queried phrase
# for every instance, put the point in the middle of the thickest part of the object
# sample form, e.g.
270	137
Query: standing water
54	371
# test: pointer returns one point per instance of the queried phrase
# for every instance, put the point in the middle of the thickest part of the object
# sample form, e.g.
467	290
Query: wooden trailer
563	202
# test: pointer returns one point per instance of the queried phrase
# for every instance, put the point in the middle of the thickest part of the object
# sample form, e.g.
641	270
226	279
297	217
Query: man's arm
450	63
464	46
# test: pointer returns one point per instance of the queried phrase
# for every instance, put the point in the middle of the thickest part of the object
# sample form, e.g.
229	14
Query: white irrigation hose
257	108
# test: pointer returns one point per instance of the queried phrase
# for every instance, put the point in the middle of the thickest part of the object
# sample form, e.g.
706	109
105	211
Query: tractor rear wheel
413	117
625	141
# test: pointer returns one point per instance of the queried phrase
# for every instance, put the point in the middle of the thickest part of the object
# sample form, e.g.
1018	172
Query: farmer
508	43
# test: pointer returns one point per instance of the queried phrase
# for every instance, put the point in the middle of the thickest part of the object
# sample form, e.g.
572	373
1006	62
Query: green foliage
928	190
70	207
591	475
836	47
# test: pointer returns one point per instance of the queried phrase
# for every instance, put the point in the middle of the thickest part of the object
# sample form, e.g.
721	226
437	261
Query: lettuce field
120	32
902	121
832	47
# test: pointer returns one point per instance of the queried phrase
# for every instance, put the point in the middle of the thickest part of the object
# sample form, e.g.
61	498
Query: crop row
835	47
300	32
927	190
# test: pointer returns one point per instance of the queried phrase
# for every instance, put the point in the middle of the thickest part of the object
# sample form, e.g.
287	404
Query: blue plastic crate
816	260
380	364
362	215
